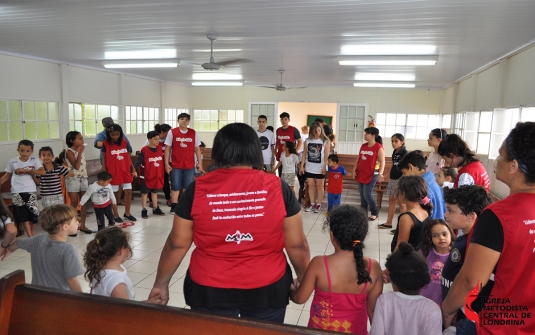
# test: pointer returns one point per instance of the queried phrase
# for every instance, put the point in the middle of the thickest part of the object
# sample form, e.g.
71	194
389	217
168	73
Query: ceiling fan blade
293	88
236	60
268	87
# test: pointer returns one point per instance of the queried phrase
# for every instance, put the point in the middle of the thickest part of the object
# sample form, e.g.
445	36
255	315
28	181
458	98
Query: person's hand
295	284
323	170
154	297
386	276
200	168
134	173
355	174
81	149
168	168
449	320
380	178
162	293
20	171
301	170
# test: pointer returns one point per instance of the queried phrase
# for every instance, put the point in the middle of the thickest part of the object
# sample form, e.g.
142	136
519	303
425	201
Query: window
528	114
31	120
140	120
446	122
503	121
267	109
171	115
412	126
87	118
213	119
459	124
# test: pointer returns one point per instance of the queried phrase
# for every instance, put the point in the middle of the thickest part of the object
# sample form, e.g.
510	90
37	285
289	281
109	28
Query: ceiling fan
281	87
212	65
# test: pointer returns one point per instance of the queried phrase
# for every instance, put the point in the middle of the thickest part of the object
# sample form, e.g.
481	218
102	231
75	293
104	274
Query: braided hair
349	226
107	243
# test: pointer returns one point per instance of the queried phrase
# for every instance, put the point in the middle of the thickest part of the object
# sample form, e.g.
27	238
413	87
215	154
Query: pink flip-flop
130	223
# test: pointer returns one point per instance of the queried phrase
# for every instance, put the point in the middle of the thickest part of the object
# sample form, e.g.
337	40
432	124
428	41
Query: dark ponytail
162	128
375	132
414	189
439	133
349	226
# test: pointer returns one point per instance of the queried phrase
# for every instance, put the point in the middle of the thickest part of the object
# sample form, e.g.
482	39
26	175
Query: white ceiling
302	36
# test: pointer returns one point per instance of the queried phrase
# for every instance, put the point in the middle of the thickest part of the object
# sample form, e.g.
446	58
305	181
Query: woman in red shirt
241	219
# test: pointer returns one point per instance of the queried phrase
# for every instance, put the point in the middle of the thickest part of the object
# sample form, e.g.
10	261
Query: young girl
436	245
289	160
60	160
412	191
50	183
346	284
317	148
404	311
398	143
77	184
116	160
103	260
445	176
434	161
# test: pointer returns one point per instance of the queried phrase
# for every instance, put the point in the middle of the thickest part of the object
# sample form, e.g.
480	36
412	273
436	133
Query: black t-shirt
454	264
488	231
395	173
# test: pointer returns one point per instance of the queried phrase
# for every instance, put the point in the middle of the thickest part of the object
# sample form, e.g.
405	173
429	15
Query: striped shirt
50	182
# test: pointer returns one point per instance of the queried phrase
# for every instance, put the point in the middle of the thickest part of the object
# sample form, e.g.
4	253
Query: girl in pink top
346	284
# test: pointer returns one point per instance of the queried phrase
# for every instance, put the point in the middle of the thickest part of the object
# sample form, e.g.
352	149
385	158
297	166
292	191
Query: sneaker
158	211
310	208
317	209
130	217
118	220
173	206
144	214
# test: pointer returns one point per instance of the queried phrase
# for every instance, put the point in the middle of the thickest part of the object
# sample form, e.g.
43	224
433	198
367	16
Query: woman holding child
502	244
238	266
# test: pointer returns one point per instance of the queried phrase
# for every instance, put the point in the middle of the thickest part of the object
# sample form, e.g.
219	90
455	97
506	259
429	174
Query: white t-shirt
23	183
315	160
288	163
112	278
267	142
434	163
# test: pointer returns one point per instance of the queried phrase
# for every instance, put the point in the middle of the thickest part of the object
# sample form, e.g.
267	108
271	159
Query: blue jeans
264	314
333	200
466	327
366	197
181	178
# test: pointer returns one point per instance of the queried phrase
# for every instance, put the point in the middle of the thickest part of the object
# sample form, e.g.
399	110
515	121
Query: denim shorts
181	178
127	186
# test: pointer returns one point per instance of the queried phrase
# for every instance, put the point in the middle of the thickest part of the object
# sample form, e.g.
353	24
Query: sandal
373	218
384	226
87	231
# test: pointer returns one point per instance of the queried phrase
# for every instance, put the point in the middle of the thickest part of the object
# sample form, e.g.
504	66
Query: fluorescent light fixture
384	76
216	76
142	54
386	84
140	63
217	83
388	60
217	50
398	49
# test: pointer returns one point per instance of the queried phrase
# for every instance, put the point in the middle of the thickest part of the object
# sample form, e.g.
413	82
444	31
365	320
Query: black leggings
100	213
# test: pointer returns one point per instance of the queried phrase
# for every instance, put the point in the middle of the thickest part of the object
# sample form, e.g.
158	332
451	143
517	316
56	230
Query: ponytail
426	204
379	139
363	275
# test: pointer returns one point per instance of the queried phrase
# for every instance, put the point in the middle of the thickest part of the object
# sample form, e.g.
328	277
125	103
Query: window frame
407	124
145	119
74	122
204	120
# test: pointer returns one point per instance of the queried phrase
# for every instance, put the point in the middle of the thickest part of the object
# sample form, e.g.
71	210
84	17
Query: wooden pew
61	312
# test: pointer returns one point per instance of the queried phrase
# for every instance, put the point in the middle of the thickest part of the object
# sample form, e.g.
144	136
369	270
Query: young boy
55	263
151	160
103	199
181	147
464	205
335	186
267	142
198	172
413	164
23	189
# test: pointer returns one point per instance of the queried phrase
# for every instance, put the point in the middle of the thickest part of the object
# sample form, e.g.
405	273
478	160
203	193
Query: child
332	138
412	191
60	160
346	284
336	184
398	143
436	245
55	263
464	205
23	189
198	172
404	311
104	260
7	225
434	162
77	185
162	130
413	164
50	183
288	161
116	160
445	176
152	179
103	199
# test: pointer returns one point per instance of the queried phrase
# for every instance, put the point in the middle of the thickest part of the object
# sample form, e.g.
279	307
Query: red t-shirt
118	162
366	163
154	168
283	136
183	149
478	172
336	182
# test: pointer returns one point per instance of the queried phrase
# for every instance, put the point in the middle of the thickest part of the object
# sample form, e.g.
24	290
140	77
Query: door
351	124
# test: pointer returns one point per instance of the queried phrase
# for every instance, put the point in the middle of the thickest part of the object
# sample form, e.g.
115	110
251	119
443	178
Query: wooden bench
64	312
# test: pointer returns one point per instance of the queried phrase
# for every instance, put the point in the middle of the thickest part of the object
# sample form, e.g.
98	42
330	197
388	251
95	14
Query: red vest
238	216
478	172
366	164
154	167
183	149
336	182
161	146
515	274
283	136
118	162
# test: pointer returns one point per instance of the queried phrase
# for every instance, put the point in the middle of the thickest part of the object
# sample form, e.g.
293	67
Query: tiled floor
149	235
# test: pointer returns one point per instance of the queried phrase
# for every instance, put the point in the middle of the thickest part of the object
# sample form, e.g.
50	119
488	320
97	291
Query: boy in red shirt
335	186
